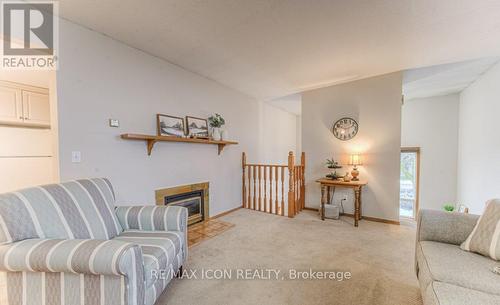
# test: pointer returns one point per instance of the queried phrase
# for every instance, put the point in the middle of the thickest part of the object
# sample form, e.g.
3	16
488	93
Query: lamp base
355	174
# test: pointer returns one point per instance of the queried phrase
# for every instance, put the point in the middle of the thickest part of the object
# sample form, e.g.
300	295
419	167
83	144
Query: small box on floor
332	211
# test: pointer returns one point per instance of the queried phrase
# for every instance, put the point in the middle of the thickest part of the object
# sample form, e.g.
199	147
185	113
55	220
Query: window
409	176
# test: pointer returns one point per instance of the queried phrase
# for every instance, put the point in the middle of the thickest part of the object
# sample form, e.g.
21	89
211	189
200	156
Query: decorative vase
224	135
347	178
216	134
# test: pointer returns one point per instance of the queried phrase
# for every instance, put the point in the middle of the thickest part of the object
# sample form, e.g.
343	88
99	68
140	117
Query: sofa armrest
79	256
88	256
445	227
153	218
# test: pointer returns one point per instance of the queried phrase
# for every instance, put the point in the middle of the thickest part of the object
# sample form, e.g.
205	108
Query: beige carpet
379	257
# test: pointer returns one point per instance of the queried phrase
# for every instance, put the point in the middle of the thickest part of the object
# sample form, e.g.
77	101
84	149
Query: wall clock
345	129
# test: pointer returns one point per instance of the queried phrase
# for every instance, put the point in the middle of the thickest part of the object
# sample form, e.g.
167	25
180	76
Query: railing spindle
243	187
303	163
254	202
260	182
271	188
265	189
282	207
249	190
276	210
291	194
297	191
300	188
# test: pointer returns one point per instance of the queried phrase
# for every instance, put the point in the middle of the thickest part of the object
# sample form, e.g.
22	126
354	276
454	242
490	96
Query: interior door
11	110
36	108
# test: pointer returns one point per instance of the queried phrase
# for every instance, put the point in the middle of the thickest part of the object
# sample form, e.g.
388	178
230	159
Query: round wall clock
345	129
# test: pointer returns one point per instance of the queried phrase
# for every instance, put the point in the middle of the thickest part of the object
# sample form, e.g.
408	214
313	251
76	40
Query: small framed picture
197	127
462	209
170	126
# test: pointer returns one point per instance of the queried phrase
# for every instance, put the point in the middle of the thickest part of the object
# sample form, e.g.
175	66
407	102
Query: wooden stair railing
263	186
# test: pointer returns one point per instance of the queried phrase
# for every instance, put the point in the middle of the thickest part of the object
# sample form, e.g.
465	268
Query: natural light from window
408	184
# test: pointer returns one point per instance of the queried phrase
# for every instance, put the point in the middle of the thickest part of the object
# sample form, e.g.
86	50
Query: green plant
449	207
331	163
334	175
216	121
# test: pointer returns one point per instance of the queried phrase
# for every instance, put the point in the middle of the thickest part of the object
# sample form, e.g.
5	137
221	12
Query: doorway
409	182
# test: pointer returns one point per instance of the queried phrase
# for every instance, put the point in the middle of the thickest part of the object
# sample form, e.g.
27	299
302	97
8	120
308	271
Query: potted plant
216	121
332	164
449	207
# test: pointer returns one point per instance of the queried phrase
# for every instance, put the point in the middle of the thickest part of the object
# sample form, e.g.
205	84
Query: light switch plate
114	123
76	157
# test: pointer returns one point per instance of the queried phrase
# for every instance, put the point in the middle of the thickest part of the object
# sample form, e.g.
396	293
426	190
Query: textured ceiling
269	49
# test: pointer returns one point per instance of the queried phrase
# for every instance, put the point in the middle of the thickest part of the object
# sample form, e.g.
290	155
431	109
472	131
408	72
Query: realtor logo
30	32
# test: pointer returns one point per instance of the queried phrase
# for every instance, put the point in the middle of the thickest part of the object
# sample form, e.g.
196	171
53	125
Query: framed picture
171	126
197	127
462	209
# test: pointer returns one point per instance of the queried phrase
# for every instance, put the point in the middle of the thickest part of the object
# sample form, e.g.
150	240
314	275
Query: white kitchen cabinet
11	105
22	172
23	105
36	108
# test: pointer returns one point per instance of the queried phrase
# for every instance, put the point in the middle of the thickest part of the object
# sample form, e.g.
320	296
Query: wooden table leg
360	203
322	202
357	205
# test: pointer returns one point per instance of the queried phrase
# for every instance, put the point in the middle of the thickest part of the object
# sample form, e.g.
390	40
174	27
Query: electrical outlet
497	270
76	157
114	123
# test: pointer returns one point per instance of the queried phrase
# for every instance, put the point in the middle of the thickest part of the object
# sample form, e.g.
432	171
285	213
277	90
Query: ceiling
273	48
444	79
291	103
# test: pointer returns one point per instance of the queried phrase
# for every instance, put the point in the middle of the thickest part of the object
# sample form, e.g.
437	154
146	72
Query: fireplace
193	201
193	196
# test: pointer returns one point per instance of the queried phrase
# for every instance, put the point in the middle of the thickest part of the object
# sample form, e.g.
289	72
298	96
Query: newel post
291	190
303	180
243	188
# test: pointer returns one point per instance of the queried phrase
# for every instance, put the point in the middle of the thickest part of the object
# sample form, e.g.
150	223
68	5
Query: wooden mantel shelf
152	140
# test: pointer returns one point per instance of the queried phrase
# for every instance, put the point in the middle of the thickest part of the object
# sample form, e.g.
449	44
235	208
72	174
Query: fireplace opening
194	197
193	201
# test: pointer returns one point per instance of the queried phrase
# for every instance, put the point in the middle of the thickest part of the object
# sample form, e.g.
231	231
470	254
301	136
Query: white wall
100	78
432	124
298	134
479	141
278	135
376	104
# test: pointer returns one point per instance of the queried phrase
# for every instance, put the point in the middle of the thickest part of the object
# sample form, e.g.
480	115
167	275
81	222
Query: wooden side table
328	185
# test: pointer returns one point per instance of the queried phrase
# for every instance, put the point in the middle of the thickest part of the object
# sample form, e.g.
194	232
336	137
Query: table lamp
355	160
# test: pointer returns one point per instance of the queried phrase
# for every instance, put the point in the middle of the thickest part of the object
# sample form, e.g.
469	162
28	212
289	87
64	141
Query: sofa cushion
160	250
81	209
448	263
485	238
438	293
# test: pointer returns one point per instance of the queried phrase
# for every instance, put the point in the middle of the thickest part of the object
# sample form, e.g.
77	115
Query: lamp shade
355	159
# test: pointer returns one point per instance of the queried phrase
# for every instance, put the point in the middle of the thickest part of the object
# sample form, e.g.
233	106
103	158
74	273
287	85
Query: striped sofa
68	244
